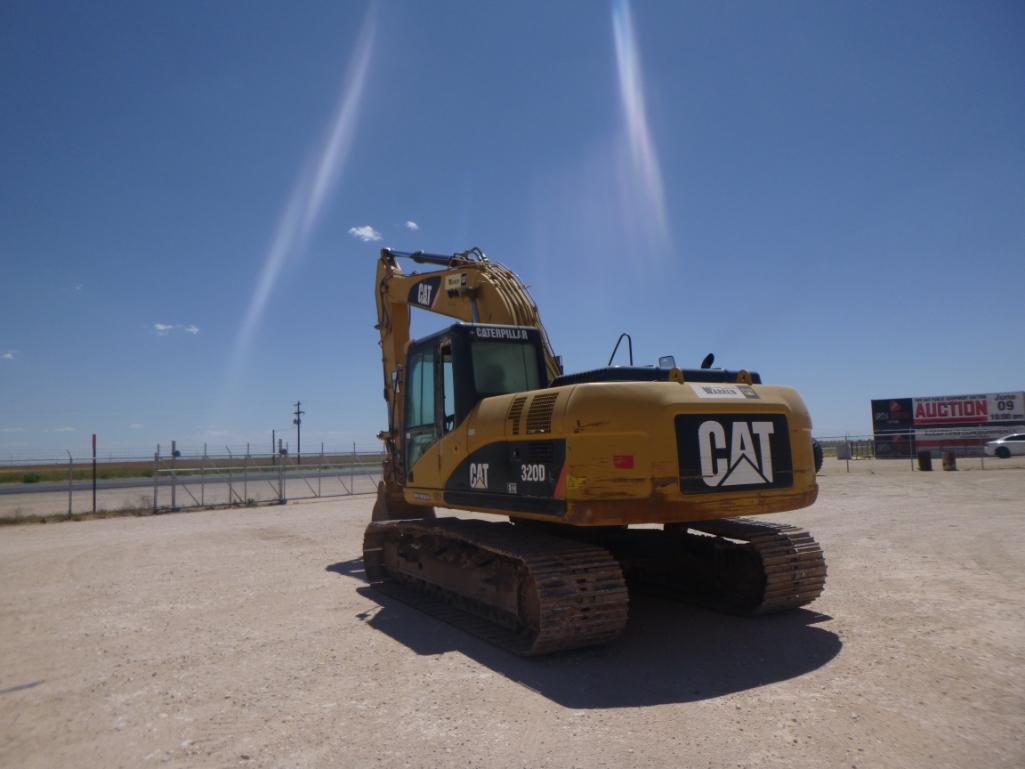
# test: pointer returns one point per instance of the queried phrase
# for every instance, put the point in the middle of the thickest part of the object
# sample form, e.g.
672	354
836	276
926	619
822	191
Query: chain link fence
40	488
178	480
913	451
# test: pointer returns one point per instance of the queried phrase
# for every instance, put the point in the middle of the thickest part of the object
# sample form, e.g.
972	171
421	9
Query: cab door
435	406
421	400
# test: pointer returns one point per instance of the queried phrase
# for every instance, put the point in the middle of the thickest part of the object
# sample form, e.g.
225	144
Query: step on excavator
618	479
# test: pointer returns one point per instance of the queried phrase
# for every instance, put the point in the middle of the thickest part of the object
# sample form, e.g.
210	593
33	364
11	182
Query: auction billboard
949	410
901	426
893	425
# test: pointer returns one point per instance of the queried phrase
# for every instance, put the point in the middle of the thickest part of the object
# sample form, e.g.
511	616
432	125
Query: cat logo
479	475
733	453
423	292
749	460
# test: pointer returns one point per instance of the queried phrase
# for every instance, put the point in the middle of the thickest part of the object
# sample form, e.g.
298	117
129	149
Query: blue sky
832	194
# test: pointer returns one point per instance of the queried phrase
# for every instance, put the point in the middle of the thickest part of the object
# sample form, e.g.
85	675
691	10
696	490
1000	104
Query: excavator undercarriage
536	588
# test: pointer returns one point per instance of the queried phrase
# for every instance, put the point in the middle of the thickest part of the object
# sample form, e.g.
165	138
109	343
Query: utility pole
94	473
298	422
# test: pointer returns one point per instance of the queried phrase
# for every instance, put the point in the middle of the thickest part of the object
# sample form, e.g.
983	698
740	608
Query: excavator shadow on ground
670	652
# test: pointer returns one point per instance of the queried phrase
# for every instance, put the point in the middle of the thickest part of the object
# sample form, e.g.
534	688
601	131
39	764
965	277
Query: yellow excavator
616	479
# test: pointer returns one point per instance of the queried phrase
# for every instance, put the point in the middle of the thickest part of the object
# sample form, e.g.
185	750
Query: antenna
629	345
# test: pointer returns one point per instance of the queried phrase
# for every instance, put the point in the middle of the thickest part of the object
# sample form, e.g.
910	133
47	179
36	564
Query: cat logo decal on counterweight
733	452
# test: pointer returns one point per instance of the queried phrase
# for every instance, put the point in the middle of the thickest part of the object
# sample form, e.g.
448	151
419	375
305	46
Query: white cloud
366	233
78	287
12	429
60	430
134	426
9	355
163	329
411	225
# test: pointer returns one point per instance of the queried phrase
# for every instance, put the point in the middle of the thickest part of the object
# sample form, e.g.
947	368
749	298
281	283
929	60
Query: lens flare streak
644	162
312	189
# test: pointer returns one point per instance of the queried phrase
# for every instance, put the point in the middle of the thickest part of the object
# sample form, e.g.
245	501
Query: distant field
80	471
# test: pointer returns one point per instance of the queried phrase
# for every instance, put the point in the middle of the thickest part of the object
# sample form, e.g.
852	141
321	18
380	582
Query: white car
1007	446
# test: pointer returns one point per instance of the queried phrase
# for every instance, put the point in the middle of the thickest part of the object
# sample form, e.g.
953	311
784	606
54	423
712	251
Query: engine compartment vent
539	416
514	413
542	452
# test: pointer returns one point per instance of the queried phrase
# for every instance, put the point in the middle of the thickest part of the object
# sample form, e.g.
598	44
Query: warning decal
720	391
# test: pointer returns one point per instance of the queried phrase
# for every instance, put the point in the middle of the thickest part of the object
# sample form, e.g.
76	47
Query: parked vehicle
1009	445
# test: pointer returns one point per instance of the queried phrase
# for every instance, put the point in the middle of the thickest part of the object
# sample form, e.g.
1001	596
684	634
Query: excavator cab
448	373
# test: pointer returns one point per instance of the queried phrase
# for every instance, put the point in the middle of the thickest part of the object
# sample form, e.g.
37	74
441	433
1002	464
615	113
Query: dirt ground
248	638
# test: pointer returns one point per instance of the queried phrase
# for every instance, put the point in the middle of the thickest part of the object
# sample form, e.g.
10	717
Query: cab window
448	390
420	430
504	367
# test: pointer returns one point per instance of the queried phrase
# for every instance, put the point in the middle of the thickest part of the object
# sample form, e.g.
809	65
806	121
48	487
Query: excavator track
523	590
793	566
733	565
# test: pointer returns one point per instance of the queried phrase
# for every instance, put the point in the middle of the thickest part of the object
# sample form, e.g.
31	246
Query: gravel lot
248	638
